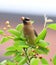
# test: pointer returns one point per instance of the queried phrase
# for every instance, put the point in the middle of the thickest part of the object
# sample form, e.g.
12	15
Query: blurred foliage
52	26
1	32
54	60
23	52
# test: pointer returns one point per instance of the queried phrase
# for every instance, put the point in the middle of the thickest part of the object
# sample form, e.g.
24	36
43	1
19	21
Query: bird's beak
22	18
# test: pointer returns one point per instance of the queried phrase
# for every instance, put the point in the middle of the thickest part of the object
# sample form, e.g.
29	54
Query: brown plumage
28	30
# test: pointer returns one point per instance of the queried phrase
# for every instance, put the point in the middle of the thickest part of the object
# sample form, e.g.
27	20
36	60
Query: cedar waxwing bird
28	30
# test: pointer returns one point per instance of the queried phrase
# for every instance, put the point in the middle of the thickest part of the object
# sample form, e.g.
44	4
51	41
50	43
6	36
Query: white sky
29	6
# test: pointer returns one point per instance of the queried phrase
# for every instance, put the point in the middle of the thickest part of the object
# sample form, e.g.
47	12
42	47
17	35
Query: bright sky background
29	6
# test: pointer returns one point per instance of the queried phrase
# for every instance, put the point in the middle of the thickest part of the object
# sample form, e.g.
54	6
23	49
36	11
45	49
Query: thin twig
45	20
27	56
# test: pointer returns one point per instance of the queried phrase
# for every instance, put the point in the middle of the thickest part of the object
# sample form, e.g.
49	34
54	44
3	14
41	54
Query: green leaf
19	27
42	35
20	44
17	46
5	39
18	58
34	61
20	47
54	60
42	43
23	61
44	61
14	32
1	32
10	63
20	38
42	50
9	53
15	49
12	48
52	26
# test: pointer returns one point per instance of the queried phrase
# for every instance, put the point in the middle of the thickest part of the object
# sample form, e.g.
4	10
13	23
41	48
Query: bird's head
25	20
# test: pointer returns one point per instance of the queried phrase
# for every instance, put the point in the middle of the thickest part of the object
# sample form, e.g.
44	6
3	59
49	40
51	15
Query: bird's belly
30	36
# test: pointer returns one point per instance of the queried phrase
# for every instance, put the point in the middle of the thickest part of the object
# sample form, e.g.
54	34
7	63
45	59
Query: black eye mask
27	19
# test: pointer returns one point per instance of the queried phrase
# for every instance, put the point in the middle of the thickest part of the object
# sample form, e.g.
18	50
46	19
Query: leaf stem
44	24
27	56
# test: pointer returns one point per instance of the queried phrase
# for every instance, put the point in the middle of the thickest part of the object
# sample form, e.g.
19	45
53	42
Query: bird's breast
29	33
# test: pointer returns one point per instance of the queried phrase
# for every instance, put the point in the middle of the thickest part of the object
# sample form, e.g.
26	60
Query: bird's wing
35	33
